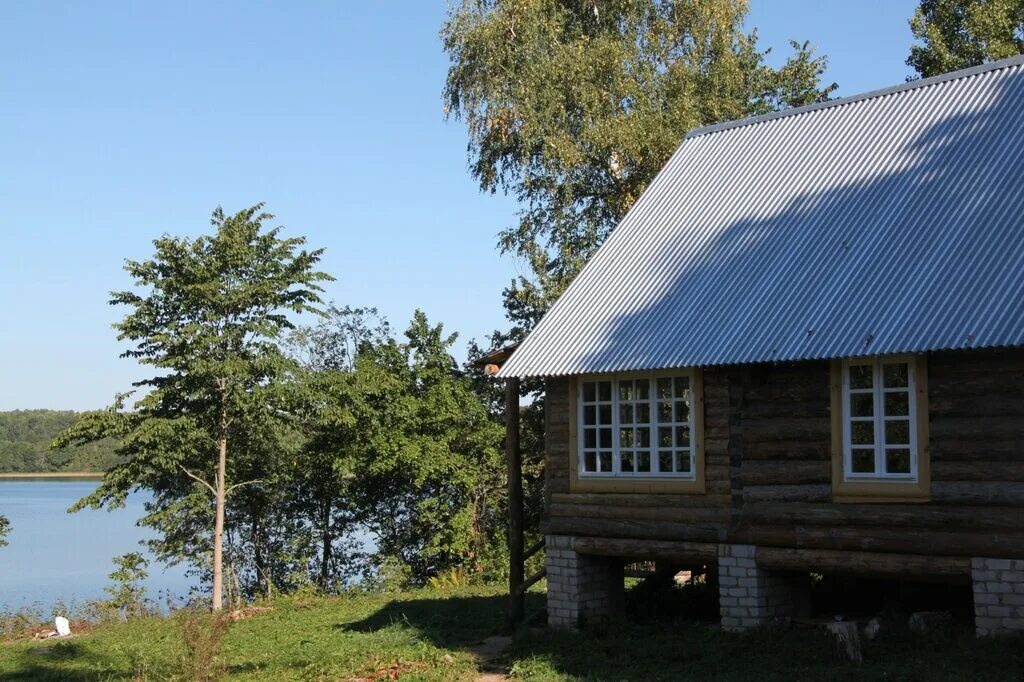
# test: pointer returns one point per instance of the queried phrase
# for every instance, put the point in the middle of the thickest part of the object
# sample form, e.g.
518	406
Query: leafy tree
956	34
5	528
433	479
126	591
343	401
573	107
208	320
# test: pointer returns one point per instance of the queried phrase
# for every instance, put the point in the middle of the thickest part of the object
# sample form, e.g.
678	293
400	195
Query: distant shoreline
95	475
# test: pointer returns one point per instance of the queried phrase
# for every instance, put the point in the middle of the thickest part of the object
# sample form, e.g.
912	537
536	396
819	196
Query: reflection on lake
55	555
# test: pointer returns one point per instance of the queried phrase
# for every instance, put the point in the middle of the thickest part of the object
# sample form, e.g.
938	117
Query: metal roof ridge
871	94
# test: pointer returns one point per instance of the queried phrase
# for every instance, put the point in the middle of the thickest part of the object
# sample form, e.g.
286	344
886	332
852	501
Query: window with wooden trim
637	426
880	419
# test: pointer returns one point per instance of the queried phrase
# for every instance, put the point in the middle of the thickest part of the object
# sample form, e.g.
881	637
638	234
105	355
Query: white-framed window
880	419
637	425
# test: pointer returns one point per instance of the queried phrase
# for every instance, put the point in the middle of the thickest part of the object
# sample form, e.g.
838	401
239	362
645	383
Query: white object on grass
62	625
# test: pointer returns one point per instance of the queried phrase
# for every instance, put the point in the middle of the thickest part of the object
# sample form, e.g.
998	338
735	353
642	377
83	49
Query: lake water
54	555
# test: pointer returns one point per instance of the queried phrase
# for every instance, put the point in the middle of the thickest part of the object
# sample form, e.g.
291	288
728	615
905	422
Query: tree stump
846	641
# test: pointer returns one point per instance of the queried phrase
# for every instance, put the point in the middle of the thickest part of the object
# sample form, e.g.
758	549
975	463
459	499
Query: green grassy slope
427	635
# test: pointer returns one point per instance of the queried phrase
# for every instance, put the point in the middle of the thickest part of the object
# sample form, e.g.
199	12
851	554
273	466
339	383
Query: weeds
203	635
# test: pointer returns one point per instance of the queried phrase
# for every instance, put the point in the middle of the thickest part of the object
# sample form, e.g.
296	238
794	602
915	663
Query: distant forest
25	436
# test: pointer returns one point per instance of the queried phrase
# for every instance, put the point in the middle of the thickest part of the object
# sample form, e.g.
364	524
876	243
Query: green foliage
956	34
432	481
127	593
450	580
573	107
5	528
25	436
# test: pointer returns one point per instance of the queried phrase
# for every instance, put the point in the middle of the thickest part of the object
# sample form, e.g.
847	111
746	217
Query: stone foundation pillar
581	587
998	595
750	596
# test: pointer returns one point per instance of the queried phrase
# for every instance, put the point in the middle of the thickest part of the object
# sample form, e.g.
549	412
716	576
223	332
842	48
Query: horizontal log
883	515
632	529
787	449
641	500
646	549
1002	472
787	493
774	473
719	515
873	564
977	493
927	541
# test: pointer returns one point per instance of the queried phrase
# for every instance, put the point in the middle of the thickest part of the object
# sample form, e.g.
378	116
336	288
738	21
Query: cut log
846	641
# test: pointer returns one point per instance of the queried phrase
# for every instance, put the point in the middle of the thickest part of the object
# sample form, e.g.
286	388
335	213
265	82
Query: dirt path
487	655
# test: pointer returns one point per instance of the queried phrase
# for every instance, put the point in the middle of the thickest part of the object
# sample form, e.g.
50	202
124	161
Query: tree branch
199	479
239	485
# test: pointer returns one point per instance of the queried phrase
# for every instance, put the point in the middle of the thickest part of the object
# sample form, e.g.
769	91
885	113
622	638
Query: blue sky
122	121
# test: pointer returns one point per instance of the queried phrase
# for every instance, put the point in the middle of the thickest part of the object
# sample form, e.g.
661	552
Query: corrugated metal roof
884	223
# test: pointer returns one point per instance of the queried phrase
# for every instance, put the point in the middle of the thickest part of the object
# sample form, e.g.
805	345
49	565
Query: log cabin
802	350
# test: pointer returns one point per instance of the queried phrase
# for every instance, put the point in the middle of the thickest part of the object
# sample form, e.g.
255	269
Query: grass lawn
427	635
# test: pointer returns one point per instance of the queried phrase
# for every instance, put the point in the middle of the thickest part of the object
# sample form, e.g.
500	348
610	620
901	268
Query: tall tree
342	402
956	34
431	476
574	105
209	319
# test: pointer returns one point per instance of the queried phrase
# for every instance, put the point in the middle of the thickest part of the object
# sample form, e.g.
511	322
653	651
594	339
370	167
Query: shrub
203	635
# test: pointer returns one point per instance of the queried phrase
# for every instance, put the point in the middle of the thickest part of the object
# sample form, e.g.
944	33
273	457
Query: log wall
767	448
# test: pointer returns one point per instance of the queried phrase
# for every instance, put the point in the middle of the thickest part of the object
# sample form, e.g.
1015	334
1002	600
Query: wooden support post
513	457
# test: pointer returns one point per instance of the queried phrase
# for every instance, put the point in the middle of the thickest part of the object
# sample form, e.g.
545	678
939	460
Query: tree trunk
218	528
325	561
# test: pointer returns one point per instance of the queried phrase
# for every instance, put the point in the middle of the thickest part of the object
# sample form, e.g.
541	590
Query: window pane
897	404
665	461
897	432
682	411
604	414
627	461
863	461
590	461
626	414
664	387
664	412
682	386
589	438
642	389
861	376
643	438
604	390
682	436
589	415
626	390
625	438
664	437
605	436
862	404
862	433
683	462
588	391
643	461
897	460
605	460
895	375
643	413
